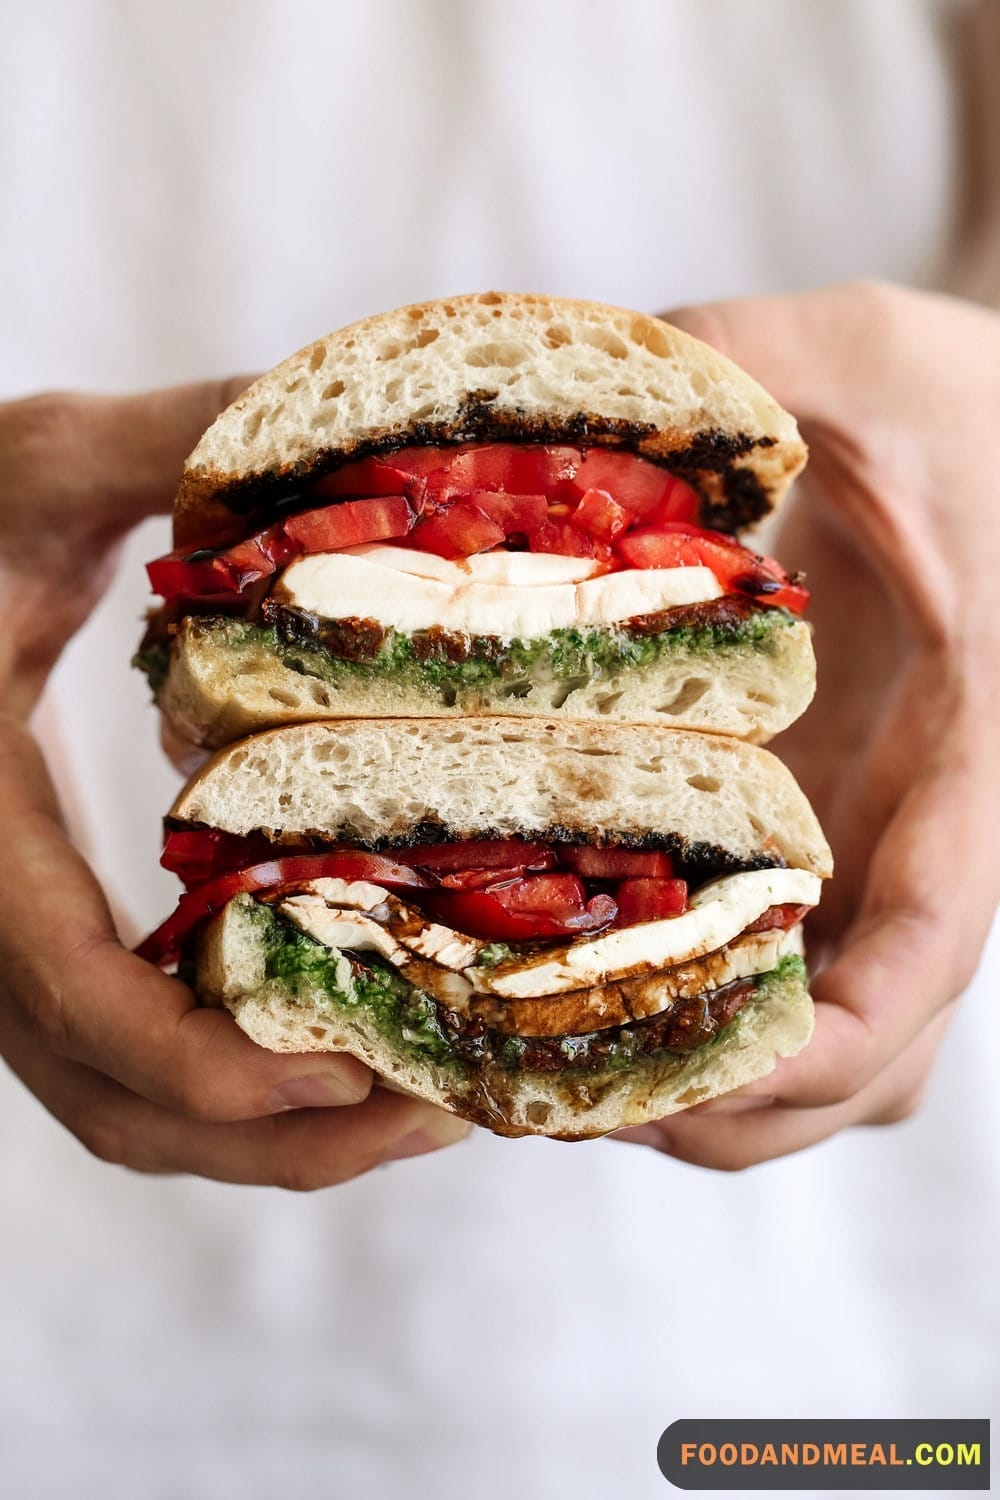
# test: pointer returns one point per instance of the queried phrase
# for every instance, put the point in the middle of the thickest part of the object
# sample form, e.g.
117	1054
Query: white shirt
194	189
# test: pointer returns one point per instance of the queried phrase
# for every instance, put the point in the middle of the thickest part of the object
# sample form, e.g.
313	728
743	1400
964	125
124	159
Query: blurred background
198	189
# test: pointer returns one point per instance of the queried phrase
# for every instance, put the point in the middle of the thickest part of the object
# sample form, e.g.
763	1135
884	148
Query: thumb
141	442
95	466
803	348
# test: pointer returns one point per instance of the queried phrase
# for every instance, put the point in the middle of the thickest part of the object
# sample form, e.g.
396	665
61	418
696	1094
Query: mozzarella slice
407	560
344	585
718	913
528	569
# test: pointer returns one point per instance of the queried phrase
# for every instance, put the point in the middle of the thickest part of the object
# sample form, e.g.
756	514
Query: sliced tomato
649	900
276	875
564	539
600	514
516	514
197	574
350	524
517	469
480	854
778	916
618	864
197	854
369	476
458	531
642	488
736	567
541	906
481	880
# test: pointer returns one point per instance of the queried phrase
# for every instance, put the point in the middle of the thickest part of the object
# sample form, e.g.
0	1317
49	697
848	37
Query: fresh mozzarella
344	585
718	913
528	569
407	560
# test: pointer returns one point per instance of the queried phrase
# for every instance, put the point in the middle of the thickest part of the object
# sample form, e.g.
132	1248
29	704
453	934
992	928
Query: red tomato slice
457	532
510	913
194	574
197	854
778	916
516	514
517	469
369	476
736	567
350	524
618	864
277	875
601	515
649	900
479	854
565	540
481	880
642	488
557	895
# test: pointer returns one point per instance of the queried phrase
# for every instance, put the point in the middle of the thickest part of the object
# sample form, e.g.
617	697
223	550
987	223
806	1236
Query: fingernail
318	1091
438	1132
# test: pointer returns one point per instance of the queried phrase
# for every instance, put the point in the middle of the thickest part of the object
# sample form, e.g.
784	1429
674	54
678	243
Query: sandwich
546	927
494	504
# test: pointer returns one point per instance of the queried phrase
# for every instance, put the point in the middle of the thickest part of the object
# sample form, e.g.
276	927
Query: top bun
375	782
496	366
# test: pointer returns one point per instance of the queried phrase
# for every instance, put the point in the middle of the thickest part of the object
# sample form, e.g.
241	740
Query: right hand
119	1053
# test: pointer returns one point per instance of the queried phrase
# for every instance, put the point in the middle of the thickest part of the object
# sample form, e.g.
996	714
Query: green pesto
492	954
402	1012
154	661
560	656
412	1021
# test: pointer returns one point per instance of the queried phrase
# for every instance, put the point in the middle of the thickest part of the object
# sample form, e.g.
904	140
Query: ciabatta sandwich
548	928
493	504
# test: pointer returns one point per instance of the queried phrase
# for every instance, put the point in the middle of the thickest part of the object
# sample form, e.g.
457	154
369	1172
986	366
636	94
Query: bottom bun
313	1009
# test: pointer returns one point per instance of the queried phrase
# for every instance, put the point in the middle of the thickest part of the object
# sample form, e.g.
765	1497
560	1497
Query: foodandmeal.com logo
826	1455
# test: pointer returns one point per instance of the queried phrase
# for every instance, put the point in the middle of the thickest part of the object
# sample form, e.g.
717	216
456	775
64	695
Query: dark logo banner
826	1455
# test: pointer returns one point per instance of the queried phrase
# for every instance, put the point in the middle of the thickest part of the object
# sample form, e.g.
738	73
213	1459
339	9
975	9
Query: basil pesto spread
449	664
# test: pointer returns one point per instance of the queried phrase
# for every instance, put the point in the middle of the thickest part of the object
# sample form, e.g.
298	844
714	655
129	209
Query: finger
309	1148
90	1001
792	344
732	1139
929	898
110	460
150	436
804	350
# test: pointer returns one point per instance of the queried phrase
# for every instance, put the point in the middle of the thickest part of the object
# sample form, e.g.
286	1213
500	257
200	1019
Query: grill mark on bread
702	861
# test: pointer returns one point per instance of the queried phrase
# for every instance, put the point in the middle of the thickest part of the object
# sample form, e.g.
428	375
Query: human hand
897	526
119	1053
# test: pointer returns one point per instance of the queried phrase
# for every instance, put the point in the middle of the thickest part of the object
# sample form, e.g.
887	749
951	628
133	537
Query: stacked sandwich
458	602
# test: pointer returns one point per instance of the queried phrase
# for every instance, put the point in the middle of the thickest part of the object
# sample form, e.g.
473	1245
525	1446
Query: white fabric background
192	189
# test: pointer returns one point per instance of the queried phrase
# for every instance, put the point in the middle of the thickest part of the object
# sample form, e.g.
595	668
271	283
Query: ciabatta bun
493	366
217	690
391	781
